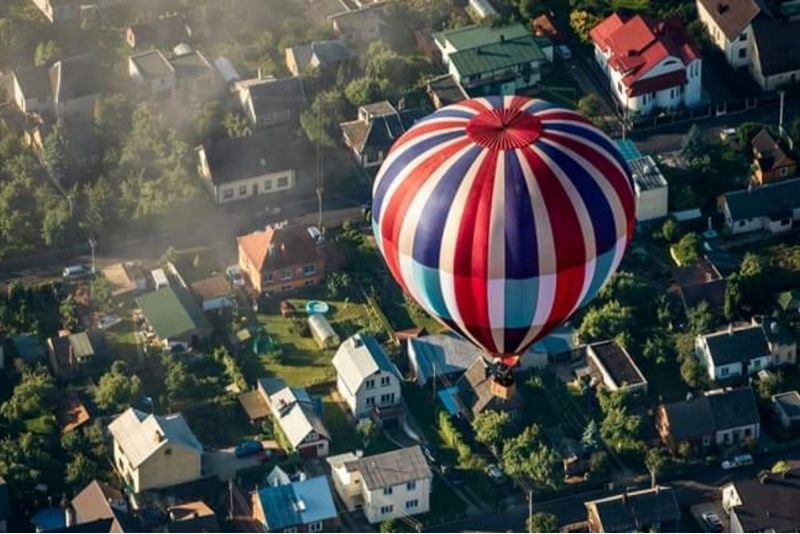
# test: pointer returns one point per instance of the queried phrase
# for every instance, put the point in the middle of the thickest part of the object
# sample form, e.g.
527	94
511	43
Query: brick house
281	258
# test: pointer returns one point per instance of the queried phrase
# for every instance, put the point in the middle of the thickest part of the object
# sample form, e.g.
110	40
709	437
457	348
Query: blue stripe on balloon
429	285
600	213
541	105
601	270
390	173
521	298
430	226
522	256
604	141
496	102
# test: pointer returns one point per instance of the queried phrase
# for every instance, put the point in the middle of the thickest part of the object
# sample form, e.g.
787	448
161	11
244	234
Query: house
427	46
196	80
770	162
174	316
378	126
544	26
71	413
392	484
154	451
477	391
29	349
482	8
68	89
326	56
360	26
322	331
195	516
304	506
745	350
100	501
298	415
445	90
61	10
70	354
162	33
440	355
651	188
365	376
649	65
787	407
270	101
125	278
281	258
244	167
5	505
700	282
214	292
154	70
775	52
649	510
488	60
720	418
789	302
729	27
770	208
618	370
766	503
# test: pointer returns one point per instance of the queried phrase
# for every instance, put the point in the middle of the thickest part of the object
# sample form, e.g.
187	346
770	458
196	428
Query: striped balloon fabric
502	216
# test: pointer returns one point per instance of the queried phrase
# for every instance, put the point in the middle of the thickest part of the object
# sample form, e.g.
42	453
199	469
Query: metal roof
393	468
646	174
360	357
298	503
172	312
135	432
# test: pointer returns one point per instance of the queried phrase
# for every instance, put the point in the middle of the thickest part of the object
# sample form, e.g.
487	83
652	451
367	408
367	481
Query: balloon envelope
502	216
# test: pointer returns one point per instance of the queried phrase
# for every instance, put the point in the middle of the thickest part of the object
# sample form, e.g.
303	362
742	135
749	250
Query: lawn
121	337
344	437
303	363
558	85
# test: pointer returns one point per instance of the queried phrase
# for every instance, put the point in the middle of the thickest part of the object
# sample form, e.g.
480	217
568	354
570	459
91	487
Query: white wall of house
29	105
316	442
383	503
518	83
170	465
738	51
730	497
379	390
265	184
651	203
216	303
347	485
736	435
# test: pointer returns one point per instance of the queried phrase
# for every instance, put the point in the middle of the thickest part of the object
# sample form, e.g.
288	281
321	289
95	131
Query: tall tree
654	461
543	522
591	436
687	249
606	322
69	313
118	388
321	121
46	53
490	427
54	154
35	395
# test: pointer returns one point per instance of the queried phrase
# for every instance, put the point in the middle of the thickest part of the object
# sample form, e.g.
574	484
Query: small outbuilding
324	334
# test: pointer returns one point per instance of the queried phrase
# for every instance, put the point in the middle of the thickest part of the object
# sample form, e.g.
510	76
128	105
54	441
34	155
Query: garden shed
323	332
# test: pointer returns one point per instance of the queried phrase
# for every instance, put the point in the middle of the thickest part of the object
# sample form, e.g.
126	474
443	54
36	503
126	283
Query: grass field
303	362
121	338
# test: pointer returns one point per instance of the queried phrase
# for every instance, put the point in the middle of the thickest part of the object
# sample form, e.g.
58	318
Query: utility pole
320	182
530	509
92	244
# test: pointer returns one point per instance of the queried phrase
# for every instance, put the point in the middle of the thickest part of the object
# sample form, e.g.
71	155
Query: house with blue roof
366	378
304	506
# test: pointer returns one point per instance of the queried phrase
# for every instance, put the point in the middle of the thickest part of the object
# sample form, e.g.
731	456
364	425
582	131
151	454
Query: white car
712	522
738	461
495	473
235	275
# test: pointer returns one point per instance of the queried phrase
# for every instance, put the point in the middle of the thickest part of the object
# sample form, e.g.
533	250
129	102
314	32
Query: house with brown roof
99	502
71	413
163	32
649	510
195	516
359	26
281	258
770	161
477	391
650	64
729	26
698	282
445	90
543	26
70	354
213	292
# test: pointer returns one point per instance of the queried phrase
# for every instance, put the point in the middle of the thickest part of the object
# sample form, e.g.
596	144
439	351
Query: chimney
260	74
172	516
69	516
357	341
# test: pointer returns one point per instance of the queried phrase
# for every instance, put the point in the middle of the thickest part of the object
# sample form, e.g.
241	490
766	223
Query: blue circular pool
317	306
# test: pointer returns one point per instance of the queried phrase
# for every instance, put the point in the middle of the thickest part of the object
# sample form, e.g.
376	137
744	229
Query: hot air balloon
502	216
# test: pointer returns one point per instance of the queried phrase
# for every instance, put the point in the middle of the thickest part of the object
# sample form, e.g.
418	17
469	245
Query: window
370	384
385	380
227	192
644	99
756	364
387	398
309	269
286	274
283	181
268	278
387	509
242	190
411	486
167	451
743	36
784	171
388	491
315	527
267	185
742	53
370	401
724	371
413	503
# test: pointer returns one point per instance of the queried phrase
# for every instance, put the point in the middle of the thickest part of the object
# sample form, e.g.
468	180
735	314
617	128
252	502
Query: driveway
225	464
709	507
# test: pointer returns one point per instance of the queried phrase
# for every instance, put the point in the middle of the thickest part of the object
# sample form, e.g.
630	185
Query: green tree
591	436
112	117
97	206
733	297
781	467
693	373
100	291
700	318
365	90
656	348
34	396
68	310
25	462
654	461
517	449
627	289
389	525
80	471
542	522
671	230
490	427
769	386
687	250
526	455
118	388
208	120
56	215
752	266
54	154
383	63
321	120
599	463
367	430
606	322
46	53
582	22
338	284
590	106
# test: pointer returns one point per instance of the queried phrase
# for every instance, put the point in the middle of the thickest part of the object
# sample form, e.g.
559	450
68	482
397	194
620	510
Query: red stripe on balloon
471	261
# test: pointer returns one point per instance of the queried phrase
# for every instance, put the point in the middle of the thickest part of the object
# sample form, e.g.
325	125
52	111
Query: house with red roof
650	64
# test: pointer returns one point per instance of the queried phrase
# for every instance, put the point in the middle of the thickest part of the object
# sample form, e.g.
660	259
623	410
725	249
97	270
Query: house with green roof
174	317
492	60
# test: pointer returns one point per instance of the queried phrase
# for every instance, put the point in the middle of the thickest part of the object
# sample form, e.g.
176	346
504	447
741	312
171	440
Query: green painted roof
497	56
81	345
172	312
474	35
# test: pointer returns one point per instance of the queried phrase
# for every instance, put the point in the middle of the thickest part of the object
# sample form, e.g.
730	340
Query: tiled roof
768	152
275	95
98	501
637	510
291	247
497	56
714	412
359	357
172	312
789	402
135	432
298	503
442	354
71	413
690	419
475	391
770	504
740	345
393	468
732	16
544	26
195	516
764	201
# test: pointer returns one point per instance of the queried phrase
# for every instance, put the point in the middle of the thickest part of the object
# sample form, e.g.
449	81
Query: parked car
738	461
712	522
727	133
77	271
495	473
564	52
235	275
248	448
